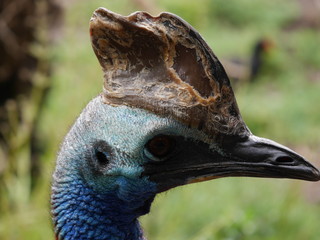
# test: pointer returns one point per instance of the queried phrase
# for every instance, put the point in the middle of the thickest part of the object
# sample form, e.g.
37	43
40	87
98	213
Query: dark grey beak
251	156
261	157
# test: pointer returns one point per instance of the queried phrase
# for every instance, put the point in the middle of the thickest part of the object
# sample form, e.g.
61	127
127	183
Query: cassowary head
167	117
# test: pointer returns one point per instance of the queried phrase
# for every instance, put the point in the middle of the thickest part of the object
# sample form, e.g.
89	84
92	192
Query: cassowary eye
160	146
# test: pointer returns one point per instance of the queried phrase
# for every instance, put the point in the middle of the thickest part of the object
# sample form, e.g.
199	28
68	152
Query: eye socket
160	146
102	158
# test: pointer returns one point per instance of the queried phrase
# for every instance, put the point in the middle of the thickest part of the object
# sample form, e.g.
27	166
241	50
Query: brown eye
160	146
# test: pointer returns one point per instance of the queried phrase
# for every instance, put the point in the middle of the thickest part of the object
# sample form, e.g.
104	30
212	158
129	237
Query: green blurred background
282	103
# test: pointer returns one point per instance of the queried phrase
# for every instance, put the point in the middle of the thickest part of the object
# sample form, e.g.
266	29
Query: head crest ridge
163	65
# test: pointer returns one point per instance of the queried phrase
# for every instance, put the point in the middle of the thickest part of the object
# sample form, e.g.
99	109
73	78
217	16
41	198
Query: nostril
284	160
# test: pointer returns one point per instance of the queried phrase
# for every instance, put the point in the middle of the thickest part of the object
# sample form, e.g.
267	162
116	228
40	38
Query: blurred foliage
24	81
246	13
281	104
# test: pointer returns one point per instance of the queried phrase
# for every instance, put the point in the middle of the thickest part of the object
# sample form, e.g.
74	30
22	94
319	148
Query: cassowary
167	117
247	71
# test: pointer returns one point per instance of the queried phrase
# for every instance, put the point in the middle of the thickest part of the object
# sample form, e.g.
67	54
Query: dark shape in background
27	27
247	70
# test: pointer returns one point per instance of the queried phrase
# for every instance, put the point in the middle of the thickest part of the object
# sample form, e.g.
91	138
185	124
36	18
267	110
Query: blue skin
102	200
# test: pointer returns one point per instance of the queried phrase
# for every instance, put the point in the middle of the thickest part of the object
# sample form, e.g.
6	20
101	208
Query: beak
251	157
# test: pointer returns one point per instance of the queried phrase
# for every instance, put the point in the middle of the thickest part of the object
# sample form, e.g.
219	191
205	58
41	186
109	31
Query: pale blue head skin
94	202
104	180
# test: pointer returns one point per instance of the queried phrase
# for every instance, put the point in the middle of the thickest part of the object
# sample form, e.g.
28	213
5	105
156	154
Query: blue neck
79	212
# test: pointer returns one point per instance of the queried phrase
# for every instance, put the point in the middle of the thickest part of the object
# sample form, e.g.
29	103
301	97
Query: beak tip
316	174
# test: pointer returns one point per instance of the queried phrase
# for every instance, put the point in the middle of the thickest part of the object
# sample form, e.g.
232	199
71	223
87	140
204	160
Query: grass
282	105
232	209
